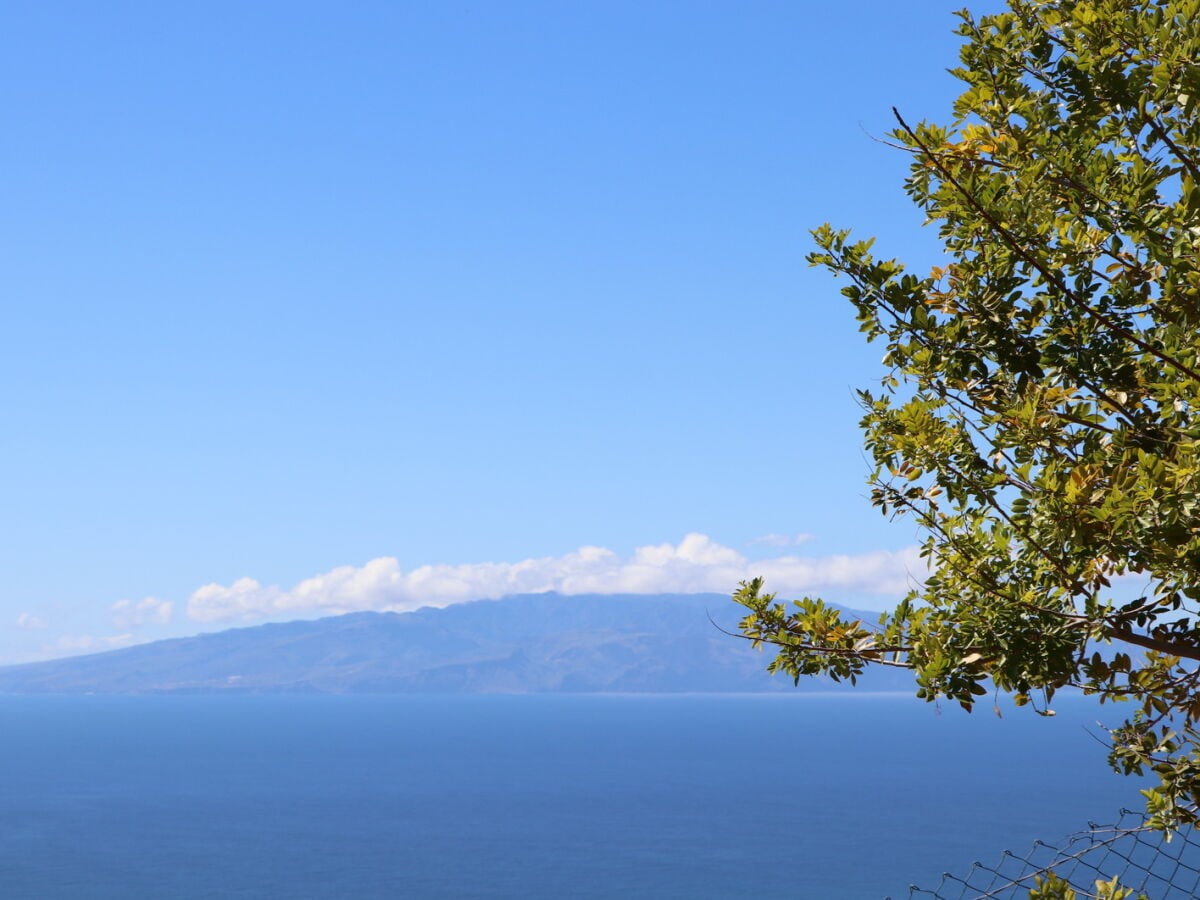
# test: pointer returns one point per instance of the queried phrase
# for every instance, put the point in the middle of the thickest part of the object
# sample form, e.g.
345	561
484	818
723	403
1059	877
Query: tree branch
1044	270
1186	651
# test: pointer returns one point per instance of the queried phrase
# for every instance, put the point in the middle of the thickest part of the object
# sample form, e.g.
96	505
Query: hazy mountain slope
531	643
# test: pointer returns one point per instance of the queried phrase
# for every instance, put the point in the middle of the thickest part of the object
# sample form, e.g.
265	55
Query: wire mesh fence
1139	857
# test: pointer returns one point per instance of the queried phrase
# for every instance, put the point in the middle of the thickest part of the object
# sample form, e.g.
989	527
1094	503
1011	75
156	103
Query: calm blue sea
529	796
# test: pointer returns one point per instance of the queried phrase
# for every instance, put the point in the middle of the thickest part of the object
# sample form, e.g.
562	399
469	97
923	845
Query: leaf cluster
1052	887
1039	418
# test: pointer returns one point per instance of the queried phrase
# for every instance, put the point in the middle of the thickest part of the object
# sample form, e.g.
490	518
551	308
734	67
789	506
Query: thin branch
1162	135
1044	270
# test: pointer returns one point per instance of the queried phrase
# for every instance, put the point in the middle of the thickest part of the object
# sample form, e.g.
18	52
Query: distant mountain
522	644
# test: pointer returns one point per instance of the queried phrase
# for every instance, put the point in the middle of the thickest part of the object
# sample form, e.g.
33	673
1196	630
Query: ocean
688	796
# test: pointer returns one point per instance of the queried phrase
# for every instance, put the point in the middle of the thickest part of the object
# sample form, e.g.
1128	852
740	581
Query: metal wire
1140	858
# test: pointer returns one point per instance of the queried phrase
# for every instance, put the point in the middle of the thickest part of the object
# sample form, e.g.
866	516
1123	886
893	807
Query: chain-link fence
1139	857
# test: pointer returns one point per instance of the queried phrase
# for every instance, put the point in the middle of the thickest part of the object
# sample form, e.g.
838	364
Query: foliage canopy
1040	417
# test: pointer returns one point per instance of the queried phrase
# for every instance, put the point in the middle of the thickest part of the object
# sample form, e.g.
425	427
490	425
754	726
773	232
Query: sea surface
806	796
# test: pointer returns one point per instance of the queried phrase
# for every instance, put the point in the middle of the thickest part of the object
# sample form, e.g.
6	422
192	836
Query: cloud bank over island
696	564
128	614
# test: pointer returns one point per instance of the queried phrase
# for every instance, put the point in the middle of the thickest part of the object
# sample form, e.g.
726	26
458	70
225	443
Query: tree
1040	416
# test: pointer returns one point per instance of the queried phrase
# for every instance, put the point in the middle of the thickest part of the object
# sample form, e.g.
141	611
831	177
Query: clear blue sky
290	287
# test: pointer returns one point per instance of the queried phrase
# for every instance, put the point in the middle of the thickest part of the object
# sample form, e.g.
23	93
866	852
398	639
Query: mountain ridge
526	643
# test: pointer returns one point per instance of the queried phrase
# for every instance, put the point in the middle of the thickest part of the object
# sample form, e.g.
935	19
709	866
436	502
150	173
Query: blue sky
290	288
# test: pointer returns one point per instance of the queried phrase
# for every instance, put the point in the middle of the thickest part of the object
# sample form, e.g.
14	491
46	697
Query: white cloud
782	540
128	614
82	643
696	564
244	599
30	622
